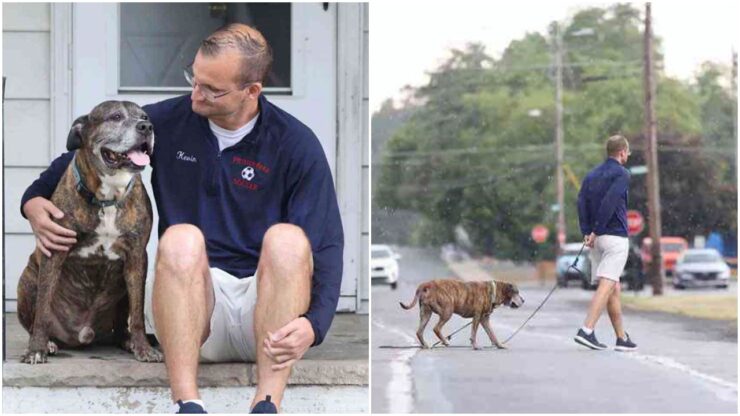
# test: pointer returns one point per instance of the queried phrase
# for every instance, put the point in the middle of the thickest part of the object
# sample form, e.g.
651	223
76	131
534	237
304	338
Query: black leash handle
575	263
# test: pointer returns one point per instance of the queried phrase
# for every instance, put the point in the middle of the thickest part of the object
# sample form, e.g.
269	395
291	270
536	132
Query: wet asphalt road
683	364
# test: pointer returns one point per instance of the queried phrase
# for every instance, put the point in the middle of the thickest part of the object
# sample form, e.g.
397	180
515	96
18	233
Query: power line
500	67
467	150
425	160
455	184
532	148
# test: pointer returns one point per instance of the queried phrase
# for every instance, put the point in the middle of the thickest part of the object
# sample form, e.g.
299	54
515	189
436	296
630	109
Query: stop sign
540	233
635	222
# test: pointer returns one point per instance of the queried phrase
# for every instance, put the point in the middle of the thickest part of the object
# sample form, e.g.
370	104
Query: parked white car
701	268
384	264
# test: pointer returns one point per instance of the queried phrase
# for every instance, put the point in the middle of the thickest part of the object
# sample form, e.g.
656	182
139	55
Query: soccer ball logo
248	173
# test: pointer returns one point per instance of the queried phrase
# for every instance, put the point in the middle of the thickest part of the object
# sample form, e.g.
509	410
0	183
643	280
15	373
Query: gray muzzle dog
95	290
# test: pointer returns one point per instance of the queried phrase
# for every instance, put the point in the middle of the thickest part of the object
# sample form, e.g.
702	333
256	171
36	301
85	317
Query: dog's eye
116	117
144	117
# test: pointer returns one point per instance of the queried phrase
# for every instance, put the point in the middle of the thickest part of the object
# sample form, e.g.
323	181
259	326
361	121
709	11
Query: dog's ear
508	291
74	139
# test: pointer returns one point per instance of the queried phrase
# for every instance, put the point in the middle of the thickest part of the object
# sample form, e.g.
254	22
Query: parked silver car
384	264
565	273
701	268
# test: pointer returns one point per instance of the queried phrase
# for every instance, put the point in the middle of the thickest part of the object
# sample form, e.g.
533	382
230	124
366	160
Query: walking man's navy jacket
602	201
277	173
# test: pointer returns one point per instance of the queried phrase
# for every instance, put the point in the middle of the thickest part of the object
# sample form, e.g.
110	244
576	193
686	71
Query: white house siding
364	287
35	50
352	145
27	123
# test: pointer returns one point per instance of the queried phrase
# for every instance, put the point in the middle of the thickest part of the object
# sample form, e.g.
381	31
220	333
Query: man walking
249	260
602	214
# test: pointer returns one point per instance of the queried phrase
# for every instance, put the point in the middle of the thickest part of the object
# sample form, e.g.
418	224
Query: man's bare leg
603	291
182	304
283	294
614	307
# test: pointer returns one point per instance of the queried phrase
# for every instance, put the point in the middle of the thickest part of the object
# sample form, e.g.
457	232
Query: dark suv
632	275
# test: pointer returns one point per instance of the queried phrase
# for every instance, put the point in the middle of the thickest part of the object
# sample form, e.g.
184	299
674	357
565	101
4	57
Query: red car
671	248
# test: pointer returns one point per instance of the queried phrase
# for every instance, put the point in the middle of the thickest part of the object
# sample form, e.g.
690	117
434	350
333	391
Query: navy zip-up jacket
602	200
277	173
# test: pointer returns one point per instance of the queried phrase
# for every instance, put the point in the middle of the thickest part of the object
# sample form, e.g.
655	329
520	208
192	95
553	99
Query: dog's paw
502	347
148	354
52	347
34	357
425	346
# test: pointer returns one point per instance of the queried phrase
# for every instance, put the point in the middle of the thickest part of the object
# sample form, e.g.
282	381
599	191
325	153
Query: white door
113	45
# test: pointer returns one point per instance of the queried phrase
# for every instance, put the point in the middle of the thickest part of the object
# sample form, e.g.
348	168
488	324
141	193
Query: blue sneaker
625	344
190	407
265	406
589	341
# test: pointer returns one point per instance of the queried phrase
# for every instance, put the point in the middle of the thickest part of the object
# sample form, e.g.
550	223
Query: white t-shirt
228	138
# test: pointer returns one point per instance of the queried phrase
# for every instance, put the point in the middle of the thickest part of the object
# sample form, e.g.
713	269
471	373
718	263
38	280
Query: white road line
729	392
399	392
730	389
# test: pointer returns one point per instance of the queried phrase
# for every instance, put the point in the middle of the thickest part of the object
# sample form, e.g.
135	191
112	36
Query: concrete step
338	368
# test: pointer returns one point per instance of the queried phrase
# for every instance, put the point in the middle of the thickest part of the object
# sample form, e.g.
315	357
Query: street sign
635	222
540	233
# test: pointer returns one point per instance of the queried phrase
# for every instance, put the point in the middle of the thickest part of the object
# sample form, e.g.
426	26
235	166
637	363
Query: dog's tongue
138	157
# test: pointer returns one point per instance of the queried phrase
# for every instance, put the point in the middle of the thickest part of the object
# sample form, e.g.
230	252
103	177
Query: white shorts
232	323
608	257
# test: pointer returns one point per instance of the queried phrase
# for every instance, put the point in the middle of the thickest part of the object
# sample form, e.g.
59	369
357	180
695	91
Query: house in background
62	59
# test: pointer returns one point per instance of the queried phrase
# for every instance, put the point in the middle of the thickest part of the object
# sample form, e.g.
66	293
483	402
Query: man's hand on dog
288	344
49	235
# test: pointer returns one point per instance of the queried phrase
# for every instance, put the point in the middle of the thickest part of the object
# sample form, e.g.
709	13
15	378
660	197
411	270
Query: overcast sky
408	38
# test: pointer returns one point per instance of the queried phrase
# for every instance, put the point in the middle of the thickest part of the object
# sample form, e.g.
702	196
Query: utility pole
559	138
734	95
655	271
733	82
734	73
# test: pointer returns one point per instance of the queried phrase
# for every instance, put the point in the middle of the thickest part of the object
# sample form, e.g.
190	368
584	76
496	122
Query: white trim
60	104
298	47
179	90
113	76
350	136
113	47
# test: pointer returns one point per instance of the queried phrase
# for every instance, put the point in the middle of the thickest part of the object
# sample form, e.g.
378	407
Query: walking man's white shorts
608	257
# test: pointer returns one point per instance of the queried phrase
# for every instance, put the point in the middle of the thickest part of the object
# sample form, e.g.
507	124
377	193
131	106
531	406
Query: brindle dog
96	289
475	300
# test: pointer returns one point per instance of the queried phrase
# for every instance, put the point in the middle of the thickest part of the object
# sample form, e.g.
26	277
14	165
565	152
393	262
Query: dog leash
574	266
449	337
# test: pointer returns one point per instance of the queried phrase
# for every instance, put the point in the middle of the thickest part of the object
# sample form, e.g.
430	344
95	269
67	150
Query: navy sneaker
625	344
265	406
589	341
190	407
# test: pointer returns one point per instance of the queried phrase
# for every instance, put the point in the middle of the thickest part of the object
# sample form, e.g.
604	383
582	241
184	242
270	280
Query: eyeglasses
206	92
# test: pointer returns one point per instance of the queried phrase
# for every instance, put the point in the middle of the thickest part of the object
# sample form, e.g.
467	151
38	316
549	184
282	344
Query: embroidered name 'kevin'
182	156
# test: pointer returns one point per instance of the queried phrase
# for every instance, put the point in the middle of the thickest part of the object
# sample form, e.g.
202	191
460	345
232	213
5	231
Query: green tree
478	149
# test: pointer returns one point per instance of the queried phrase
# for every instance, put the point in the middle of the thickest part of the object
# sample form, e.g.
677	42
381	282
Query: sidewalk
478	270
331	378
